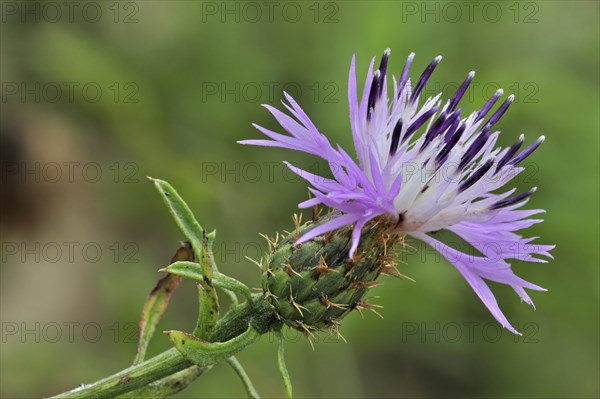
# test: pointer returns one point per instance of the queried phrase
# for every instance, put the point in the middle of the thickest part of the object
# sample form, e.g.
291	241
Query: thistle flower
420	168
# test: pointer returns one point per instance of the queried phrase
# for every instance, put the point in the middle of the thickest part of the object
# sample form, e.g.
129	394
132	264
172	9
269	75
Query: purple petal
404	75
424	78
489	104
353	108
501	110
356	235
527	151
474	269
460	92
330	225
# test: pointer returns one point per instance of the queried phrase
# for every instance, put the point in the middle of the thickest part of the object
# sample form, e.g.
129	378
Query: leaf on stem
203	353
184	218
193	271
157	302
208	313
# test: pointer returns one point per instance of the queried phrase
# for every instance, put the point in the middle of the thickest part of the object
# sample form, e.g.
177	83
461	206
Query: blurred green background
98	95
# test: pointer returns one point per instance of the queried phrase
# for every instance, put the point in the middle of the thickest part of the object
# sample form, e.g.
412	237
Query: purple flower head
422	168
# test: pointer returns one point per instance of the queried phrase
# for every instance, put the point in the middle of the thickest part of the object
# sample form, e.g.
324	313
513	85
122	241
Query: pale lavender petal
330	225
354	112
376	174
319	182
474	269
299	112
356	235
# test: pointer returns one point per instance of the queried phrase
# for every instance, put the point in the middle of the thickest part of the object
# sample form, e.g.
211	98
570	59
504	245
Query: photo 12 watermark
69	252
269	92
70	92
69	12
252	12
72	332
466	332
278	172
523	92
518	12
413	332
70	172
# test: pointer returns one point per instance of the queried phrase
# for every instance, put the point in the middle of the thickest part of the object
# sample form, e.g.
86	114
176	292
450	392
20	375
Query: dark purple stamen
460	92
514	199
373	94
423	79
452	120
404	75
527	151
501	110
476	176
443	154
488	105
510	153
396	137
474	148
451	129
440	125
419	122
433	129
383	69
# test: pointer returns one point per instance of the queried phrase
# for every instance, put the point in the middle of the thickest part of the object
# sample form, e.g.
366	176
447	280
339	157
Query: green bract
314	285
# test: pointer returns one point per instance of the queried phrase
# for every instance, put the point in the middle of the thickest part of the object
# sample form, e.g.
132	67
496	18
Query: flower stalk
260	315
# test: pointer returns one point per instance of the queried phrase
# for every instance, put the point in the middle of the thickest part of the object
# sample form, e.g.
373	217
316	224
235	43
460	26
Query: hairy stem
131	378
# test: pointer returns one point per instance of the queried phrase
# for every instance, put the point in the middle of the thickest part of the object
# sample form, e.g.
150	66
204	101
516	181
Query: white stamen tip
438	58
387	51
499	92
511	98
541	139
471	74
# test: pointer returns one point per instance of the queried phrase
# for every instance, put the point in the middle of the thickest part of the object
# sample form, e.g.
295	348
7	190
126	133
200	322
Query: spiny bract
314	285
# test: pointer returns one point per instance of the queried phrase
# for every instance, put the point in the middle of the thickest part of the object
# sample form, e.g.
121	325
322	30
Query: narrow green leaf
211	239
208	311
184	218
229	283
287	382
239	369
203	353
193	271
157	302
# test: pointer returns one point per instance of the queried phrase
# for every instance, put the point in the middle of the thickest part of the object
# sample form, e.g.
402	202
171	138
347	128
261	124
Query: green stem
260	314
131	378
167	386
239	369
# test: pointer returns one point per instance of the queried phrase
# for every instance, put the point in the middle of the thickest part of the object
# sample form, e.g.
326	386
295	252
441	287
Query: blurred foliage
165	68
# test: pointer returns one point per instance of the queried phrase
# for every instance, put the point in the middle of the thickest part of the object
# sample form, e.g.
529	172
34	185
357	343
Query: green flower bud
315	284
